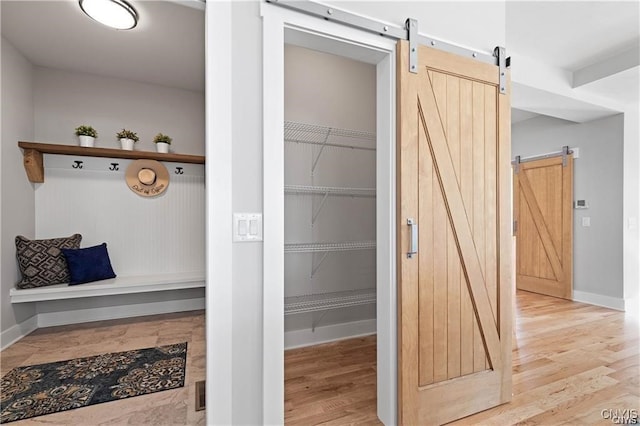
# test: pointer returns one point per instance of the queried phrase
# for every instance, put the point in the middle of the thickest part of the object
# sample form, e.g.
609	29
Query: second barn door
455	293
543	193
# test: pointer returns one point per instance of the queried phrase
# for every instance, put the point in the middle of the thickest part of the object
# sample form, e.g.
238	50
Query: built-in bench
64	304
112	287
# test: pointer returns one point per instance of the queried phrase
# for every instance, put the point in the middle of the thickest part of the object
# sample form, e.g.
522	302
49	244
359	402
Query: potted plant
87	135
127	139
162	142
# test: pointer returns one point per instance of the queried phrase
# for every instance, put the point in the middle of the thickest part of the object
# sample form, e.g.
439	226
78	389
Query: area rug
42	389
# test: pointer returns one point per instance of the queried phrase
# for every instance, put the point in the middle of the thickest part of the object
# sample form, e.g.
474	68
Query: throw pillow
88	264
41	262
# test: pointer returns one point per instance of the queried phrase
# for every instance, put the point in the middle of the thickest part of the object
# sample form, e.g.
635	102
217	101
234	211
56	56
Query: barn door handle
413	248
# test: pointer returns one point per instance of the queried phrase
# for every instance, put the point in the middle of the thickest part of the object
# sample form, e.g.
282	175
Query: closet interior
330	197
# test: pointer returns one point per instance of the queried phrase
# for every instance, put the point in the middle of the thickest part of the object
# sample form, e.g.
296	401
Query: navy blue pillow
88	264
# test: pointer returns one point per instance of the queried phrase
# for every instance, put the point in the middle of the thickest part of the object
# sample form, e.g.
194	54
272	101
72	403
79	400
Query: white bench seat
111	287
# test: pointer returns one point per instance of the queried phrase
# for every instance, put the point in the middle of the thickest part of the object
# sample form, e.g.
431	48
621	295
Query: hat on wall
147	178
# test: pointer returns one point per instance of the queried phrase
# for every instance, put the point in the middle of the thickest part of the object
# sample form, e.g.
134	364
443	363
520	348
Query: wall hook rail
34	164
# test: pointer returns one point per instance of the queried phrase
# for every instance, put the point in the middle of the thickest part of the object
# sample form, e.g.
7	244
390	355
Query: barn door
454	294
543	193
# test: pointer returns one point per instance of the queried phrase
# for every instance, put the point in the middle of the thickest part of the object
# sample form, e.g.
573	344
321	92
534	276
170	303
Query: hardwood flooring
172	407
570	362
334	383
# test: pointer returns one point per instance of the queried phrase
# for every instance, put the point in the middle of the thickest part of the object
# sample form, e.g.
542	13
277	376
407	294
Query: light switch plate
576	152
586	221
247	227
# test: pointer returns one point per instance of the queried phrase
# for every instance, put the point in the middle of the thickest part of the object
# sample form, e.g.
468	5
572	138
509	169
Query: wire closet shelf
322	138
328	136
328	247
326	301
329	190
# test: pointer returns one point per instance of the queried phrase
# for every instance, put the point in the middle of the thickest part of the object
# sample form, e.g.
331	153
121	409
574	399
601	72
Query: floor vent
200	395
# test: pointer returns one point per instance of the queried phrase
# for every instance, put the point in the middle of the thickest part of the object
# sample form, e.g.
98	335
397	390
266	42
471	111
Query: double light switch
247	227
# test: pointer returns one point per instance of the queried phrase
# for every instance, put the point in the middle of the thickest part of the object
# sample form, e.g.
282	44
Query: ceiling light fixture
116	14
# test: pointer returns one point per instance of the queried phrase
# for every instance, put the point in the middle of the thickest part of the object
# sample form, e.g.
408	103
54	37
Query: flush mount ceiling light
116	14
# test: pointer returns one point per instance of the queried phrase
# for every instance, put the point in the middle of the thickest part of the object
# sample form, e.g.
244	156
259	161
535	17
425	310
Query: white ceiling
577	36
166	48
571	34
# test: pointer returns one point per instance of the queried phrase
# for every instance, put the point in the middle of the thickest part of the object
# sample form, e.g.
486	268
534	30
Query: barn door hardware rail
564	154
409	32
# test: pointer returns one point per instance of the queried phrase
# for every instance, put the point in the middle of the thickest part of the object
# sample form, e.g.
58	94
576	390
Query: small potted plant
87	135
127	139
162	142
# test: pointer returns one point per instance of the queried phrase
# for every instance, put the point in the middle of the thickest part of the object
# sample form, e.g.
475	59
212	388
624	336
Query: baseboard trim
330	333
18	331
51	319
599	300
631	306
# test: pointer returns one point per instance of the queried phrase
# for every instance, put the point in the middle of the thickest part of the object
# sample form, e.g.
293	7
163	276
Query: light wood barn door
455	295
543	196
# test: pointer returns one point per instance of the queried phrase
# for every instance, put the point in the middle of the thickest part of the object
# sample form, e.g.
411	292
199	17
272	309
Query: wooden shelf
34	164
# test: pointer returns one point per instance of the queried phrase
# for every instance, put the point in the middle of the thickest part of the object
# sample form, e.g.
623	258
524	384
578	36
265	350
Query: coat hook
179	171
77	164
114	166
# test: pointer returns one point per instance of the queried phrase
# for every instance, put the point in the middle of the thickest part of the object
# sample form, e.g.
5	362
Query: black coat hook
77	164
179	171
114	166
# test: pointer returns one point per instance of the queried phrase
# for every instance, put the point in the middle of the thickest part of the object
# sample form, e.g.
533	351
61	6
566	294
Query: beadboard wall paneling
164	234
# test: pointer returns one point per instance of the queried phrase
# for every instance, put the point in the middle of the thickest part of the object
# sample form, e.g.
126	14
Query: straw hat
147	178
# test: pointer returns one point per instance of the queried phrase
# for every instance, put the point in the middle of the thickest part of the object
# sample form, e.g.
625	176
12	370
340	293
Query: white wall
144	235
16	192
598	178
165	234
64	100
246	110
631	227
485	31
332	91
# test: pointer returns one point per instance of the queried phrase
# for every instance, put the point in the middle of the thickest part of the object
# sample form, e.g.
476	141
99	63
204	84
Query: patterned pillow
41	262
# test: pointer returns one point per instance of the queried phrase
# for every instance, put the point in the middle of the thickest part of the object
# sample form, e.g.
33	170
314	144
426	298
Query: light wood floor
172	407
570	361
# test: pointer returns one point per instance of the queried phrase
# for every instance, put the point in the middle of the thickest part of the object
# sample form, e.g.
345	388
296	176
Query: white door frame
219	296
275	21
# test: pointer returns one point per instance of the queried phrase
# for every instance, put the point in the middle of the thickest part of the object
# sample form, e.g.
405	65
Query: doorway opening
330	233
329	237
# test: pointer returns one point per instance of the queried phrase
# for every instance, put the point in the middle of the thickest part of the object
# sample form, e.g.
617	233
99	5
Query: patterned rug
58	386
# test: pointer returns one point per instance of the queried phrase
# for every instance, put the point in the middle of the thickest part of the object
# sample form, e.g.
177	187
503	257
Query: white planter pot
162	147
127	144
87	141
